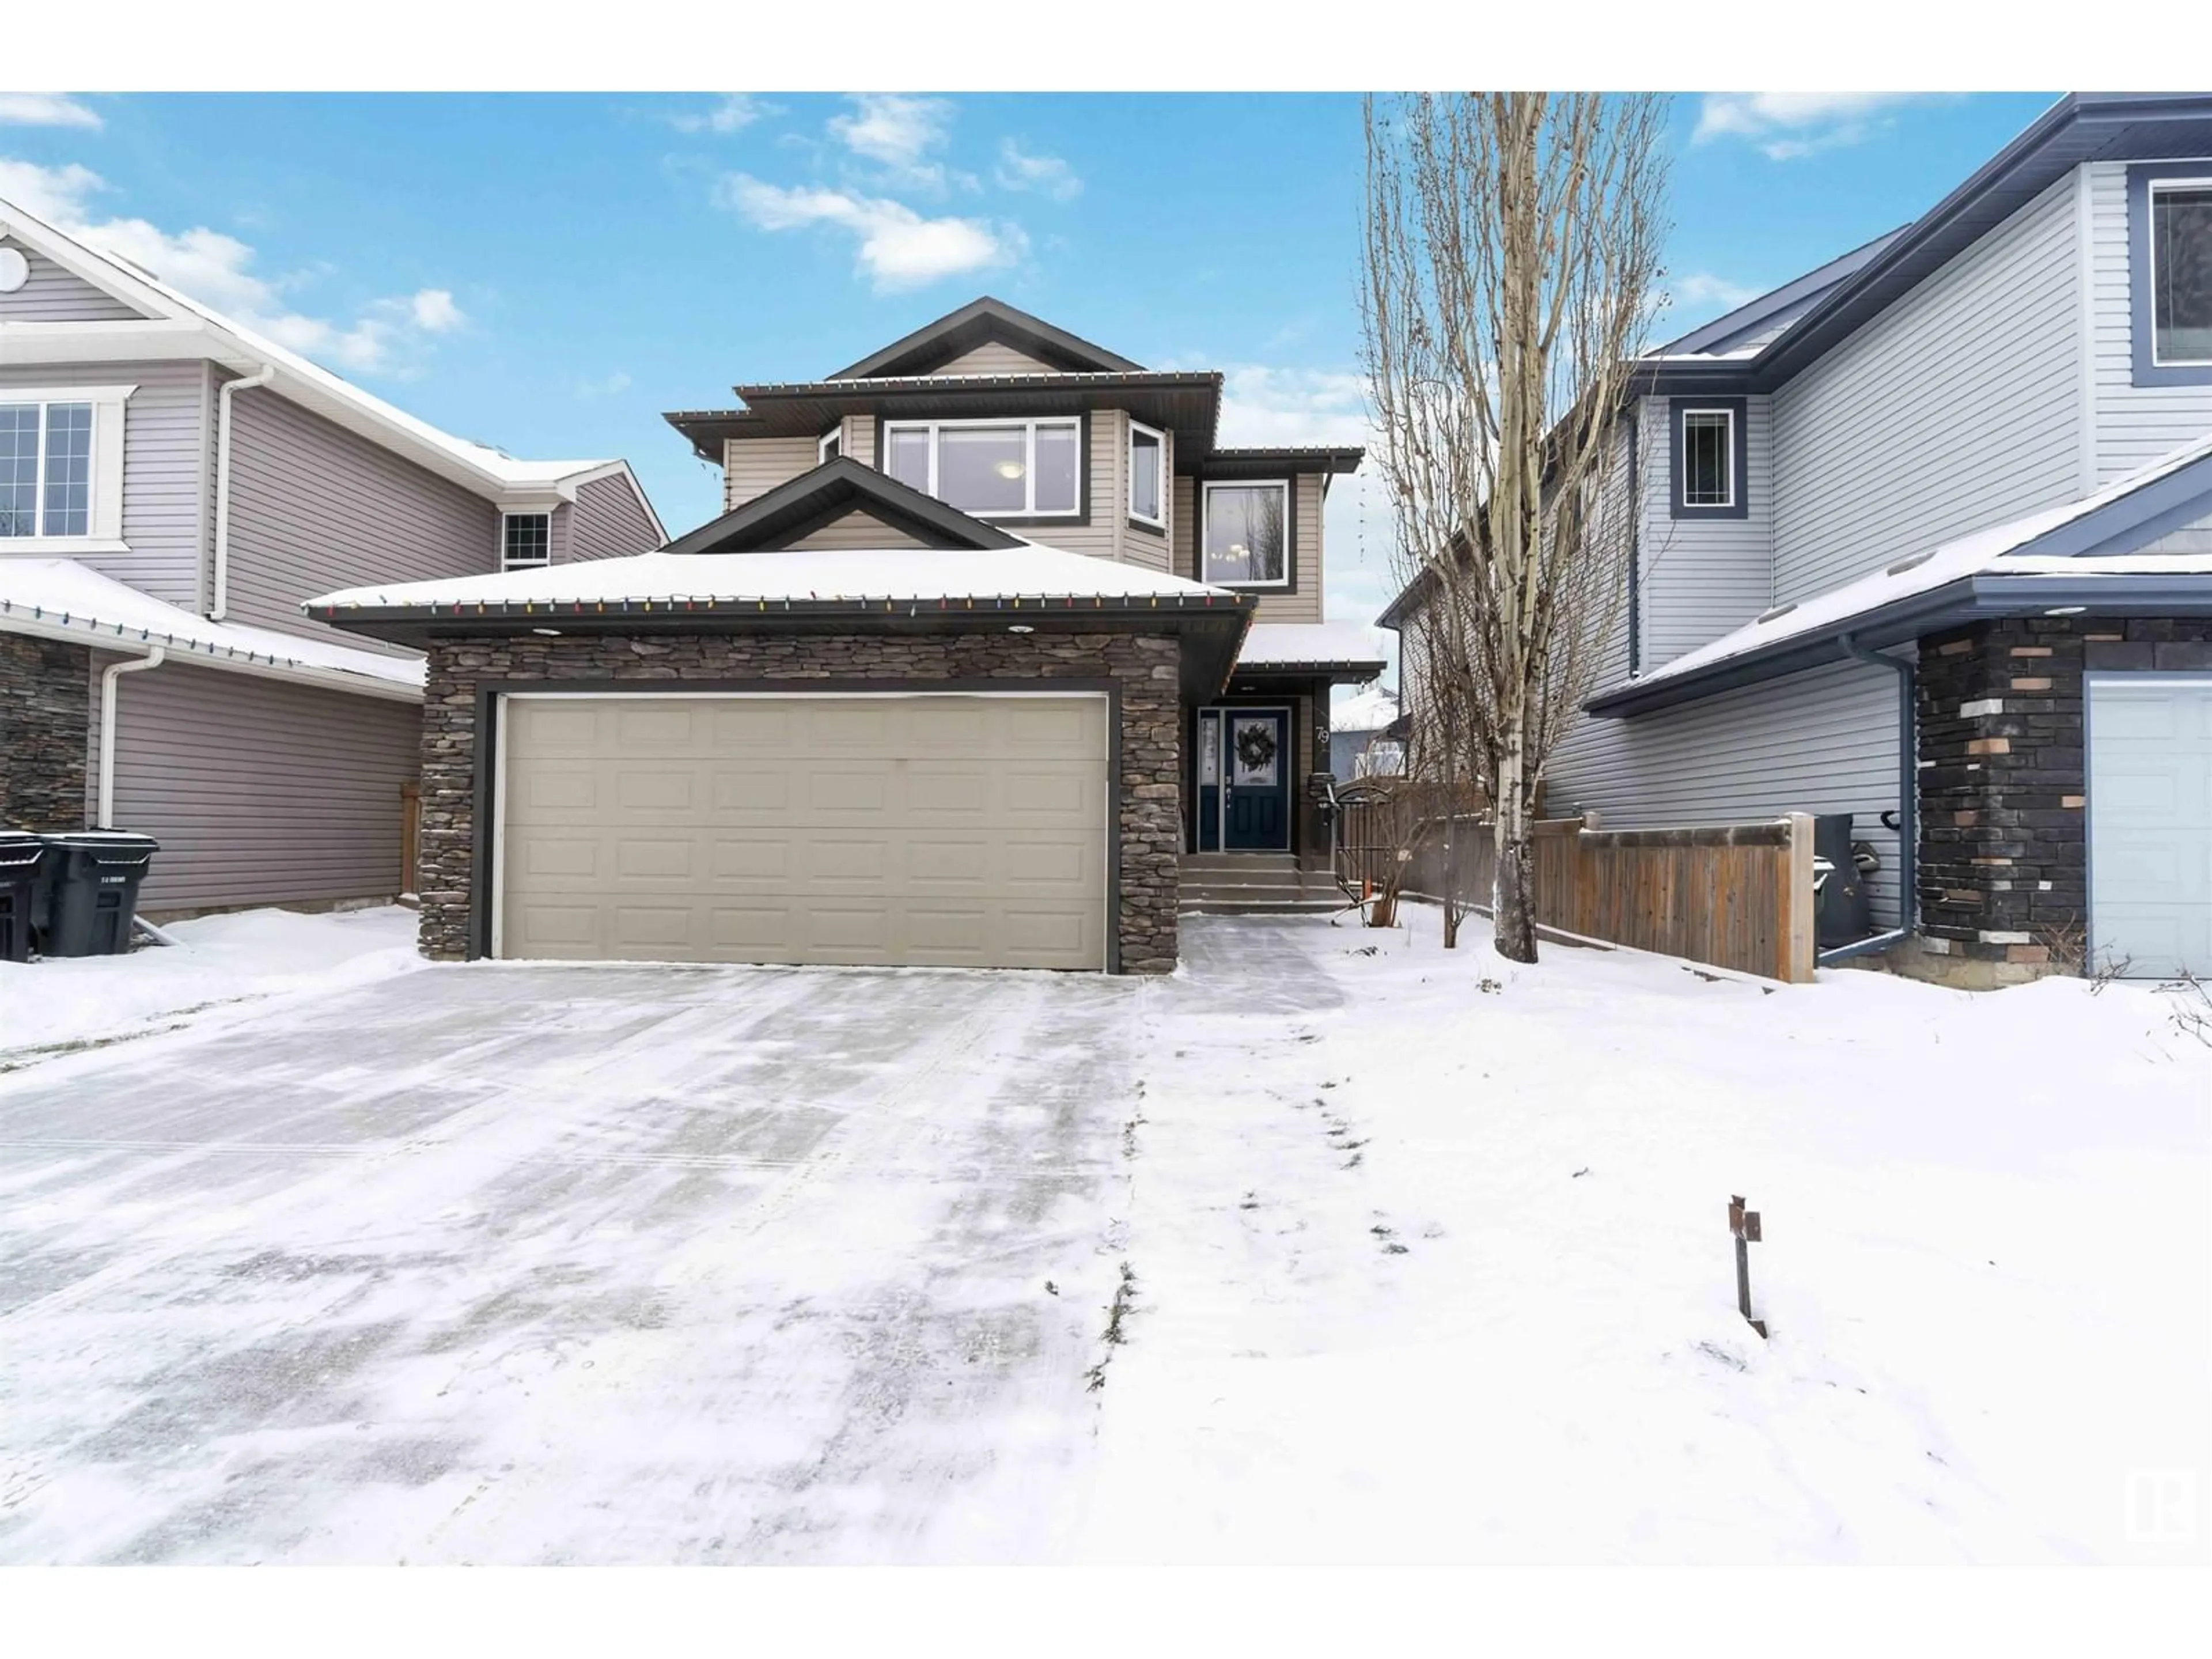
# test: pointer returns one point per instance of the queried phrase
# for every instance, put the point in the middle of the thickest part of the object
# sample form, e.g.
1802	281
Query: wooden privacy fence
410	836
1737	896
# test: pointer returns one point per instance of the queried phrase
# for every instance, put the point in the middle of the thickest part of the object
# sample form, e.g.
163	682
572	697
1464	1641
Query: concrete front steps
1255	884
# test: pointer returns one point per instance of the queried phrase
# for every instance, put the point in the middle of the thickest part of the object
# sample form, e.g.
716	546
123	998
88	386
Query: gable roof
800	505
1774	310
979	321
2086	554
176	325
2082	126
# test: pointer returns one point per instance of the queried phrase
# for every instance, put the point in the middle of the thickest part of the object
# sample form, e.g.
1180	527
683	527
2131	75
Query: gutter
1908	792
219	605
105	817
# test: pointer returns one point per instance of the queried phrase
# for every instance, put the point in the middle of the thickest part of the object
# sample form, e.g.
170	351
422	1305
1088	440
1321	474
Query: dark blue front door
1255	773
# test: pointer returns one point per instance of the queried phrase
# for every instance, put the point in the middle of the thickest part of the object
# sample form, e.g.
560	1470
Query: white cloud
1047	175
1787	125
1701	288
736	111
46	109
608	387
898	248
216	270
900	132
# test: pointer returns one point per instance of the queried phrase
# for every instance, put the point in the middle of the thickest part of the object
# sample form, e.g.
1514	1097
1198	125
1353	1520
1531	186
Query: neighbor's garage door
2150	823
942	831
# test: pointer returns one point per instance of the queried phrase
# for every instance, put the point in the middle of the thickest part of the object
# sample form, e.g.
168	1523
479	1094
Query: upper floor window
46	469
527	541
992	469
831	446
1248	535
1148	483
2170	273
1707	477
2181	273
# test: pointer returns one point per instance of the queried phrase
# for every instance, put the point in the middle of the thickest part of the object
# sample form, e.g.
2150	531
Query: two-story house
992	638
173	485
1925	537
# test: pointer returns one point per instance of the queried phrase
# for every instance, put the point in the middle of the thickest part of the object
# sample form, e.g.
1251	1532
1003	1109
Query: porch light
2066	611
550	633
1019	627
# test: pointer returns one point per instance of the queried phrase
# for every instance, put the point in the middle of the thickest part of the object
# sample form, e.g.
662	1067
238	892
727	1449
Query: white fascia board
189	654
28	344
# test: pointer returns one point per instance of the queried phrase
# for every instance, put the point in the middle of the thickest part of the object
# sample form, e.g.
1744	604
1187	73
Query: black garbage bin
23	860
92	892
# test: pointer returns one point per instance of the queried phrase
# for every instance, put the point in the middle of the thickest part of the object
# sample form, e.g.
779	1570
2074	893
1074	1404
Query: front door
1255	773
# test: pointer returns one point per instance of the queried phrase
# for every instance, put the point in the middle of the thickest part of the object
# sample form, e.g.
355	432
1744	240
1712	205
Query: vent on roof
1778	611
1911	563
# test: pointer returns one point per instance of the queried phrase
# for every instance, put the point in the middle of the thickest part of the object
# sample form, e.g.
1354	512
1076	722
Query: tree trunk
1451	894
1513	903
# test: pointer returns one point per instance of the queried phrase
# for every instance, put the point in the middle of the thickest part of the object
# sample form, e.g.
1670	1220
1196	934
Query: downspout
219	600
108	676
1908	793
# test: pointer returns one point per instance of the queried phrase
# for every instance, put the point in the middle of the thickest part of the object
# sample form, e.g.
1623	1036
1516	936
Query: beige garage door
945	830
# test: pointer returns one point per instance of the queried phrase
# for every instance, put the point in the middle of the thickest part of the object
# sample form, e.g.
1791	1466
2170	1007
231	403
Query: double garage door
2150	823
947	831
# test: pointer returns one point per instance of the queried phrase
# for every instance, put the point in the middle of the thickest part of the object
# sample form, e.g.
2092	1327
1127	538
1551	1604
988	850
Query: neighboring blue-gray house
172	486
1925	537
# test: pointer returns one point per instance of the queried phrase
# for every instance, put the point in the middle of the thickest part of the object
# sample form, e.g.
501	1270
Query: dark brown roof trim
800	505
958	332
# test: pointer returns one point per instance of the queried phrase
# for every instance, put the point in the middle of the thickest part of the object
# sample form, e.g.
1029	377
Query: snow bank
217	959
1431	1272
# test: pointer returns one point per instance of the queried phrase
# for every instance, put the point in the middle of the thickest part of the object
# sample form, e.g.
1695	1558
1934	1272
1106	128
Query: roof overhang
1981	598
1210	631
800	505
1228	464
977	323
1187	404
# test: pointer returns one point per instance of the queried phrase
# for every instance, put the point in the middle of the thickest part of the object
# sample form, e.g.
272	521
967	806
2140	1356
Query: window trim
1079	514
103	531
1129	482
2142	177
1738	412
834	435
1287	583
507	517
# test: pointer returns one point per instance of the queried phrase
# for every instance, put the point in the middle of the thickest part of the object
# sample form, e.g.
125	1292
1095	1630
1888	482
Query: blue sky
549	273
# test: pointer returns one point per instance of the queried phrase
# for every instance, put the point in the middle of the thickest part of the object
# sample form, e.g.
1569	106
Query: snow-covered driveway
504	1264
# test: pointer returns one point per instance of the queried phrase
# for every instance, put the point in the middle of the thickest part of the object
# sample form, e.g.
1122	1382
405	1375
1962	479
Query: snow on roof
1370	710
1030	571
1988	551
1294	644
63	594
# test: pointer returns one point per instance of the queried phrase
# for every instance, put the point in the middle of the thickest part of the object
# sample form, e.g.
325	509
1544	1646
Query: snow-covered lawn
1433	1270
222	959
633	1264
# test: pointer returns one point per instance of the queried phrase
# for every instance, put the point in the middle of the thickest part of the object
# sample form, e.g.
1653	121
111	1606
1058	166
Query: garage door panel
2150	823
928	829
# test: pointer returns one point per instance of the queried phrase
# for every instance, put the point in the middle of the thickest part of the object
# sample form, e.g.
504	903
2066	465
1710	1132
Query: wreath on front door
1255	748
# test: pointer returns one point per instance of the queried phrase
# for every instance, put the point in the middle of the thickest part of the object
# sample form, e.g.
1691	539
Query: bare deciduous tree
1511	266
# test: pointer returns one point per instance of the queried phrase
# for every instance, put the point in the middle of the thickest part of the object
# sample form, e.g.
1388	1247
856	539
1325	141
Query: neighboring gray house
1927	533
172	486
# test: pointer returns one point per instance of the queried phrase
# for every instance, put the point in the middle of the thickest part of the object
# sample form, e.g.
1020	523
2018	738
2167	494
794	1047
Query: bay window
1246	535
992	469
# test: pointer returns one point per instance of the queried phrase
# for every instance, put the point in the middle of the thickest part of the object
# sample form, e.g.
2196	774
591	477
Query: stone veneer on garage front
1145	666
2004	868
46	724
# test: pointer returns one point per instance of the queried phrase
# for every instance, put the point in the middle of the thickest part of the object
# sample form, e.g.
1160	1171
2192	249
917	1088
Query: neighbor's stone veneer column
46	733
2003	868
1146	667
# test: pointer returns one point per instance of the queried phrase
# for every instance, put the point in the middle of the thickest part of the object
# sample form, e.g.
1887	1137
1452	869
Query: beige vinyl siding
2132	425
53	294
261	791
1302	605
1955	408
314	508
1151	548
993	357
856	530
1183	526
607	521
164	470
753	466
1701	577
859	438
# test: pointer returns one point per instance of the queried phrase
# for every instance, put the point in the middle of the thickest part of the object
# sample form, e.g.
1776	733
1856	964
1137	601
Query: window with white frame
992	469
1148	481
1708	458
1247	534
831	446
2181	272
525	541
46	470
